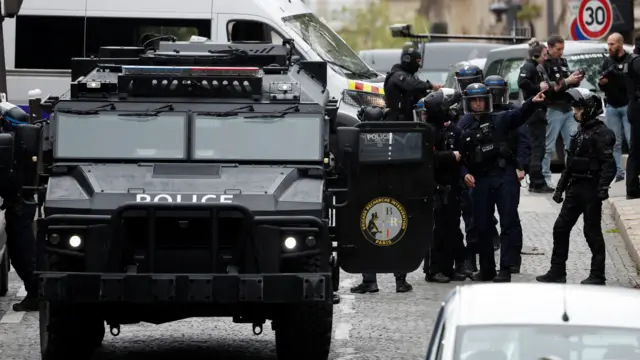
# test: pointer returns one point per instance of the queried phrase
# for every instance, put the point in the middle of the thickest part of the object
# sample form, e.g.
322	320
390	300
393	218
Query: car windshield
109	136
434	76
536	342
293	137
327	44
589	62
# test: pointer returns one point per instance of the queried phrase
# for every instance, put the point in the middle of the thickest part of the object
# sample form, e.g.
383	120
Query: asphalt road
385	325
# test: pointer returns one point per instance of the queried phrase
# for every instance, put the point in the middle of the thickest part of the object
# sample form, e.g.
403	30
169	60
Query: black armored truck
201	182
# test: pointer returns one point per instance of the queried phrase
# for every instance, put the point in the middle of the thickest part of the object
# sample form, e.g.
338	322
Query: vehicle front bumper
102	278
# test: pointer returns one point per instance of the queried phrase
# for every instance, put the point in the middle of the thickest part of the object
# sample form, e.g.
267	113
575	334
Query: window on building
133	32
48	42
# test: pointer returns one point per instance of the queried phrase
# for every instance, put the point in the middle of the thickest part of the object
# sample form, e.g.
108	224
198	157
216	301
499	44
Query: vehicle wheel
66	334
303	331
4	274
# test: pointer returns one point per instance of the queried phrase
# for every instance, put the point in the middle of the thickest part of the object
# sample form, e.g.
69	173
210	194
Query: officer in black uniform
370	280
586	178
492	176
444	261
20	210
531	81
402	88
632	70
519	143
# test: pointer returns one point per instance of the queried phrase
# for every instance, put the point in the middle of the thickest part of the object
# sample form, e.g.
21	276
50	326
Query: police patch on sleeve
383	221
523	74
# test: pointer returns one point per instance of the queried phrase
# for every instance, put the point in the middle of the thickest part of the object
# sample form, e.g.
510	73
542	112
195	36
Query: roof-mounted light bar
190	71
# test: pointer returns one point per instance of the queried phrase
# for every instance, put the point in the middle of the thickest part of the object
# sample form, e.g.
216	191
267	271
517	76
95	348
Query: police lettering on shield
181	198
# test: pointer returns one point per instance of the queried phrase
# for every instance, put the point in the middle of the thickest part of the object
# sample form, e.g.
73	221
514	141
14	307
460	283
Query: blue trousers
469	227
499	188
618	122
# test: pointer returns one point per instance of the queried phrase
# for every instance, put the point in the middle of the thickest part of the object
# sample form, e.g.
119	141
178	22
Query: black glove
603	195
557	197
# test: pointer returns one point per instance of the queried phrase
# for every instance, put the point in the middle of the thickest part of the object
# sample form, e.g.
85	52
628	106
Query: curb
626	214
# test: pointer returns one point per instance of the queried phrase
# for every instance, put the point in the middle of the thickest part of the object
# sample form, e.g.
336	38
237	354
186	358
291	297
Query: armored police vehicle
200	182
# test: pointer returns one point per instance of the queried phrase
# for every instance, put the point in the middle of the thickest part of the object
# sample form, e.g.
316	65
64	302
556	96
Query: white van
42	39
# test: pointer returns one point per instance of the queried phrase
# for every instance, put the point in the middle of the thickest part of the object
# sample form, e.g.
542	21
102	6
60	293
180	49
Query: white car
537	322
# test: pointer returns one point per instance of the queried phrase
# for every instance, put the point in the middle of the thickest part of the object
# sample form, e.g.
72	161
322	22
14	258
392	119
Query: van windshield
327	44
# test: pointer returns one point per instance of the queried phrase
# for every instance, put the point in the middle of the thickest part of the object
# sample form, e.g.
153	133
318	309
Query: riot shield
384	222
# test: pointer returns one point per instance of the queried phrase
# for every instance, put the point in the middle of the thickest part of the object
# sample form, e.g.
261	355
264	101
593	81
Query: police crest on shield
383	221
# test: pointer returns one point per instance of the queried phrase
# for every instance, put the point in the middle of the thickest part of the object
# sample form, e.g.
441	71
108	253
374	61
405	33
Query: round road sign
576	33
595	18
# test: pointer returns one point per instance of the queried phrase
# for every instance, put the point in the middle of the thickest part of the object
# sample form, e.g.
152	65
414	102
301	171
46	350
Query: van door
251	28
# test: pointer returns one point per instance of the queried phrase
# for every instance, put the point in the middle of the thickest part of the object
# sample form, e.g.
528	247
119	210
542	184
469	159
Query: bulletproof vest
582	159
486	147
399	103
632	78
557	69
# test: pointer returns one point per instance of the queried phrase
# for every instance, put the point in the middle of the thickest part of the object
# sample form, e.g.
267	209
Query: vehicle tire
68	334
303	331
4	274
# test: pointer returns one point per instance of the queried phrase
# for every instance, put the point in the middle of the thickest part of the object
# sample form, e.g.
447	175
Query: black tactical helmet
499	89
370	113
586	100
478	94
436	106
467	75
411	57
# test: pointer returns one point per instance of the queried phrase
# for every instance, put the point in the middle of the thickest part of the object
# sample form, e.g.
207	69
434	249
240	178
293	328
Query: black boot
552	277
515	269
461	269
504	275
437	278
544	189
364	288
403	286
481	277
29	303
594	279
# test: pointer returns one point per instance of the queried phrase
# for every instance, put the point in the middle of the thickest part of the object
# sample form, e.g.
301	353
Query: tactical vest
446	141
582	159
486	147
632	78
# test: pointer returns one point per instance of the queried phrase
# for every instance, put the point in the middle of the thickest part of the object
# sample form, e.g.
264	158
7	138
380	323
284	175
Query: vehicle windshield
109	136
589	62
434	76
536	342
327	44
294	137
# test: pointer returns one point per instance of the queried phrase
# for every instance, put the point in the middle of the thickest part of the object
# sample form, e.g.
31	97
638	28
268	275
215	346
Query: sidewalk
626	214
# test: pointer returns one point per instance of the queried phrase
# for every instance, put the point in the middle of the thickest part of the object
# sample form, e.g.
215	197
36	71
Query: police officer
492	175
633	113
612	81
559	118
402	88
467	75
586	178
445	258
20	211
531	82
519	143
370	280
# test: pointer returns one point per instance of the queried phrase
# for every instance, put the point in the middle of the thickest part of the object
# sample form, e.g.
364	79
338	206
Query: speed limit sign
595	18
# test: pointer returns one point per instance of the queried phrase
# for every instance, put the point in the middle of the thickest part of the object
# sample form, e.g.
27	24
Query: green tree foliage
367	27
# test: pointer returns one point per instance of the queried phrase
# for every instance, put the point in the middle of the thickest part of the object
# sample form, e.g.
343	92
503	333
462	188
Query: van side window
494	68
511	71
252	31
129	32
48	42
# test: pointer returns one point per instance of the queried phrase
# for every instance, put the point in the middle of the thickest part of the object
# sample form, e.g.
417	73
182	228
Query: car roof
544	304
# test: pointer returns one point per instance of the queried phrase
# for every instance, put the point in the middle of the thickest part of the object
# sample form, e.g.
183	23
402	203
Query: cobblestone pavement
385	325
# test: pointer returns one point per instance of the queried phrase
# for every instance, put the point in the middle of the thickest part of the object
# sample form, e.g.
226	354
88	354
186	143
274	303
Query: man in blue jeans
560	120
613	83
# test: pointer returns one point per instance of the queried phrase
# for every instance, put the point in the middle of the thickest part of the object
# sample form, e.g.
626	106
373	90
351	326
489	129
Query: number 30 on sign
595	18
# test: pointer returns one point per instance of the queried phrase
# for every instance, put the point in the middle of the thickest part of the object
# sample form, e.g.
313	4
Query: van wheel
303	331
4	274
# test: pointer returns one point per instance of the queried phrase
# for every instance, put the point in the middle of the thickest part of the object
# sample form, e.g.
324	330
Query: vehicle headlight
361	98
290	243
75	241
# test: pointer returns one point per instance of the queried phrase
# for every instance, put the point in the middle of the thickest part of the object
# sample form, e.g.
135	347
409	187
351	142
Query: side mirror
6	155
348	144
11	8
27	144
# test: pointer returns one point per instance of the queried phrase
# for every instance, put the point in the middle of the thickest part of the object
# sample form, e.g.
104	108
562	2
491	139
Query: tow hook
257	329
115	330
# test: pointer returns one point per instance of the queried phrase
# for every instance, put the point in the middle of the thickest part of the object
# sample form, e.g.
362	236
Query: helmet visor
463	82
477	104
499	95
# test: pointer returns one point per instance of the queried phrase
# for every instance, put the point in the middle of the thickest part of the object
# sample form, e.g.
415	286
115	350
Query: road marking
342	331
22	292
12	317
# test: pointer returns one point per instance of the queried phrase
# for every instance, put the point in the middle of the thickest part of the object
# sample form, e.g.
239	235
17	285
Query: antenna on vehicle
565	315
